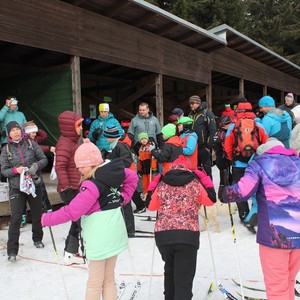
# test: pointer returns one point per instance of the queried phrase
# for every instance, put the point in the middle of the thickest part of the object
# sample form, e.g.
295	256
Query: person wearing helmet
188	140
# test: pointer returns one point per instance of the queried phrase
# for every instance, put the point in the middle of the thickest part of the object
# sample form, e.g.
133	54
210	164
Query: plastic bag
26	183
53	174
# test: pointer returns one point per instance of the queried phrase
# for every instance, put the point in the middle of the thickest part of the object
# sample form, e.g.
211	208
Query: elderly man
277	122
144	121
205	127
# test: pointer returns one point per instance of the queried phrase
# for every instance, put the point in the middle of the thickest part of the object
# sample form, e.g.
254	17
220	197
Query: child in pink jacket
104	189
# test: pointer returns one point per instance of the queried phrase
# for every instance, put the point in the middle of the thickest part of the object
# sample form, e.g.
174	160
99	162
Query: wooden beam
139	93
241	87
76	85
159	98
122	4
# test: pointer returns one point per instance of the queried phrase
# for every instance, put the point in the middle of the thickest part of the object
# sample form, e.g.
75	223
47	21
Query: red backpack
246	139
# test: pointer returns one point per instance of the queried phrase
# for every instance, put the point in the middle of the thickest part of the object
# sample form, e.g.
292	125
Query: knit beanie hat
103	107
266	101
177	111
270	143
143	135
244	107
225	120
173	118
111	132
289	96
11	125
195	99
169	130
227	105
87	155
14	101
30	127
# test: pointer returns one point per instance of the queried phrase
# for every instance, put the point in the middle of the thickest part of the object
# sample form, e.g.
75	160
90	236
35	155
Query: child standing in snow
177	199
98	204
274	176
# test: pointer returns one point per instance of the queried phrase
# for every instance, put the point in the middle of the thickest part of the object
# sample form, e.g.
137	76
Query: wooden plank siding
233	63
61	27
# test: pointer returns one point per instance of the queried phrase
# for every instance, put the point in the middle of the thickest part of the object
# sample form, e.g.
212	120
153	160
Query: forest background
273	23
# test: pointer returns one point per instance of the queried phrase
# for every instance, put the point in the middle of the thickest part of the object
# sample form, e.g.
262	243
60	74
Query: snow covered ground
37	276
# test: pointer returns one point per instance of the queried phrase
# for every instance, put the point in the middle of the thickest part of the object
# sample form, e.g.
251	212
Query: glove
104	153
36	179
148	198
96	133
33	169
68	195
220	193
151	147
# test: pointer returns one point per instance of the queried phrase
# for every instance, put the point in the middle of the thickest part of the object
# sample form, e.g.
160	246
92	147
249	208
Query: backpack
246	139
9	155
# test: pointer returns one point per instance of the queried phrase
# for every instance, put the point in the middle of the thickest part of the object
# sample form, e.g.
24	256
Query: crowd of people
167	169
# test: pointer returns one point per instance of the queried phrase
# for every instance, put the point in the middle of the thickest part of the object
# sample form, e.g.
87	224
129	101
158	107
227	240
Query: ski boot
39	244
73	258
12	257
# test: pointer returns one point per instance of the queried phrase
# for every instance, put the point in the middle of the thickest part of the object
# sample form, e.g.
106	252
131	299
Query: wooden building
73	54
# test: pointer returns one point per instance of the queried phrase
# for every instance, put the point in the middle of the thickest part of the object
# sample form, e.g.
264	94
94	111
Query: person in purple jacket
274	176
105	188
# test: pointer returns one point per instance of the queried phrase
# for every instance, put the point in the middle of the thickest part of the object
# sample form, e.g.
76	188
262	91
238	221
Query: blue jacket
274	176
6	116
278	124
102	142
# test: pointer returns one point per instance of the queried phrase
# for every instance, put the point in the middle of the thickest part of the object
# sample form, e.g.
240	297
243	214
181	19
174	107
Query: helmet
185	120
87	121
125	123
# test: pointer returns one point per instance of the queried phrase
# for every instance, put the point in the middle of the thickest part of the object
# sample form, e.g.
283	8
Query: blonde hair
89	174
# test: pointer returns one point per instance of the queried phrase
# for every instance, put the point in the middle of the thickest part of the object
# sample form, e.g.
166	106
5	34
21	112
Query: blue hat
111	132
177	111
266	101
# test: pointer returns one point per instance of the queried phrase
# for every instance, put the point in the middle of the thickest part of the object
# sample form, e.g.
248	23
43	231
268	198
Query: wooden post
208	93
76	84
241	88
159	98
265	90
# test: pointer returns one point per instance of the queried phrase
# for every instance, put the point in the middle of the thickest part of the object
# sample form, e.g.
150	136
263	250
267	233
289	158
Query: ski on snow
143	231
136	291
121	290
251	298
225	293
141	236
248	287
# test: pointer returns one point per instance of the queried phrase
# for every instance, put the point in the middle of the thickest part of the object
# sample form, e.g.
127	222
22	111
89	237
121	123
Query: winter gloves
33	169
96	133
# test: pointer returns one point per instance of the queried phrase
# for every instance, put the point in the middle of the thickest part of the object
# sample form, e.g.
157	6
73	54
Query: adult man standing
205	127
8	113
144	121
277	122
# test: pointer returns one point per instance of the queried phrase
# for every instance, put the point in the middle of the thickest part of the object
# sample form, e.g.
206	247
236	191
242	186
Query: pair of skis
227	295
134	294
143	234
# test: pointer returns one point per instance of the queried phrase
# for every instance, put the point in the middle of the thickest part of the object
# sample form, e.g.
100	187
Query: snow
37	274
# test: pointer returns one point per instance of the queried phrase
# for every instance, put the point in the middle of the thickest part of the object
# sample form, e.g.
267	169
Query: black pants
243	207
18	200
180	267
72	240
204	160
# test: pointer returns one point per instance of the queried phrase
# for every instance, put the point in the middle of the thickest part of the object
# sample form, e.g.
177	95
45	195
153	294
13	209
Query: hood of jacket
281	165
66	123
174	140
111	173
179	175
279	115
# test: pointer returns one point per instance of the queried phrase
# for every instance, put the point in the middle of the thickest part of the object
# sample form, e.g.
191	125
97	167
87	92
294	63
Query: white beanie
30	127
270	143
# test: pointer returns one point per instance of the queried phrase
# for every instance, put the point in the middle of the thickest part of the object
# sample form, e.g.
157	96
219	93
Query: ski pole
226	183
210	246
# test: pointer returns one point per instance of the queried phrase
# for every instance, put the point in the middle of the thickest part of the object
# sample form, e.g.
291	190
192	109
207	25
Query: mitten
96	133
151	146
33	169
148	198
